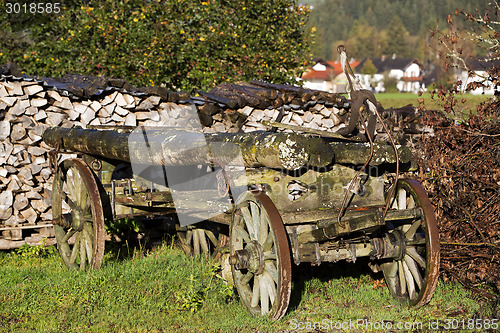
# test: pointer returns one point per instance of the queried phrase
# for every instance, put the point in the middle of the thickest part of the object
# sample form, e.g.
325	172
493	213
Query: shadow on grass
325	272
143	236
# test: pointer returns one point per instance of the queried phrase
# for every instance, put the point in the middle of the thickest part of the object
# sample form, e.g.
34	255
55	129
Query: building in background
406	73
327	76
478	73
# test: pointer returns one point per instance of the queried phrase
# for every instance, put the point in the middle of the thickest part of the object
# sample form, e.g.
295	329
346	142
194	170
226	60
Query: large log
171	147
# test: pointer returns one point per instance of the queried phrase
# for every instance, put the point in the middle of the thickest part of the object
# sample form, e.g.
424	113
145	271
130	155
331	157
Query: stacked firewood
29	105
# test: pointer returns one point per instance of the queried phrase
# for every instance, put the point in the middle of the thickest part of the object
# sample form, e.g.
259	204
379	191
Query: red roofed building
326	76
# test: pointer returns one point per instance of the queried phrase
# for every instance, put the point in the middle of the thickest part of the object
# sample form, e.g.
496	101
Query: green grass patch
165	291
466	102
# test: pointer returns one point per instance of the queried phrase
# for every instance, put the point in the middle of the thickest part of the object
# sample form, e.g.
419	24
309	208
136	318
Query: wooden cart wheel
78	216
205	238
413	276
260	256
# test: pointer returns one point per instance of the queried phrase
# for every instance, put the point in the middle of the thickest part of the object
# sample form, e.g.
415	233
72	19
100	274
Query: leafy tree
390	83
180	44
365	41
368	68
397	38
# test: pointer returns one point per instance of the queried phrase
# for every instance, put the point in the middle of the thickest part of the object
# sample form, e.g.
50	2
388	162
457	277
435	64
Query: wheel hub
77	220
251	258
392	245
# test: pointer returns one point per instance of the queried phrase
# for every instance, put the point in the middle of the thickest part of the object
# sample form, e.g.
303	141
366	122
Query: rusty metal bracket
96	164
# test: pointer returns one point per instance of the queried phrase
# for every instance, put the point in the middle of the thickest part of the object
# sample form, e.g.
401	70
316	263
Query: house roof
482	64
332	69
384	64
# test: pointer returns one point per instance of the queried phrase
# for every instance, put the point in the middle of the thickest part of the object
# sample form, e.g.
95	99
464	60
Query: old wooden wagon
306	198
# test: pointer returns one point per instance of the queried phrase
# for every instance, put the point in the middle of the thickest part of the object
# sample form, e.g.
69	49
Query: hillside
372	28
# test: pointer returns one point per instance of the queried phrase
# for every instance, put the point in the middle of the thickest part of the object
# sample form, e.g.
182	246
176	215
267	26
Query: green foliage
122	226
390	83
193	297
368	68
39	251
397	36
180	44
365	40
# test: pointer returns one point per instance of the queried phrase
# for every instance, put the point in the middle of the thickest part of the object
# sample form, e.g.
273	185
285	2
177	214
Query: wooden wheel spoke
268	243
247	217
70	185
410	282
79	188
402	198
244	279
411	202
392	284
271	269
256	221
271	287
418	241
76	247
412	252
89	241
255	291
68	235
412	266
393	269
211	236
88	207
243	234
410	233
189	237
394	204
203	241
270	256
264	296
84	202
196	242
263	227
68	201
402	278
83	252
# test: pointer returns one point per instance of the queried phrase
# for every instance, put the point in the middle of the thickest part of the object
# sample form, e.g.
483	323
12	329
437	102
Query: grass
397	100
165	291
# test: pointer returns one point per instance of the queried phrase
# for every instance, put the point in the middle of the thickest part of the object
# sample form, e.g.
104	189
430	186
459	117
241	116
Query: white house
407	72
326	76
478	73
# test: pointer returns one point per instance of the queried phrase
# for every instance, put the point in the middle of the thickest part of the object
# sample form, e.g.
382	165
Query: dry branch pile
460	169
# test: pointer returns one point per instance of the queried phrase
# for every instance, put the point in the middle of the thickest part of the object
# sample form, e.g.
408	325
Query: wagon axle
250	258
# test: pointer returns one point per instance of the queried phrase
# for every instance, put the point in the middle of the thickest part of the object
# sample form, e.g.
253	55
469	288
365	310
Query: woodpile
29	105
